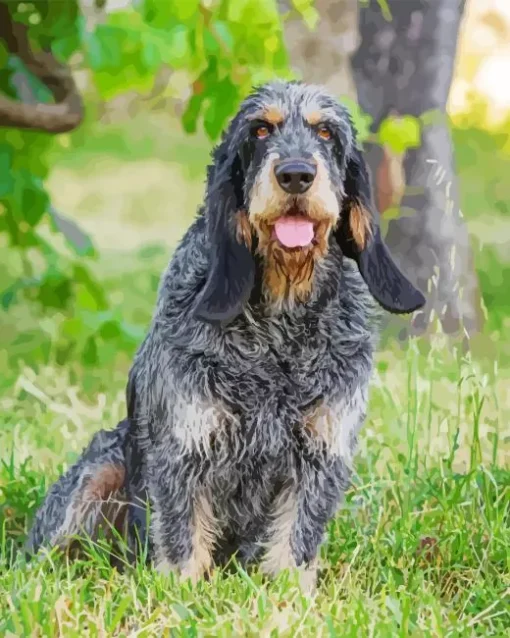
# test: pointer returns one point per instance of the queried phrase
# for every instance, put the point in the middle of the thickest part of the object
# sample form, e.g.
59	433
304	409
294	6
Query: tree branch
66	113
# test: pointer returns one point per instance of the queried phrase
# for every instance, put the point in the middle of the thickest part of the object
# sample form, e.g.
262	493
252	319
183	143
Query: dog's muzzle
295	176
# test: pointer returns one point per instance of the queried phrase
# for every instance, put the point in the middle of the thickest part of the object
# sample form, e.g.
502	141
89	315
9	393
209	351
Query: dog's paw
307	578
189	571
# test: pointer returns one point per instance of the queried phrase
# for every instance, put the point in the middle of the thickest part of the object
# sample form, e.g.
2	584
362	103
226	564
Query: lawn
422	544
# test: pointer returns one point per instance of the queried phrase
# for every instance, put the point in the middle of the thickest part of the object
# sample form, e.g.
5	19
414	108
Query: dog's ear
232	269
359	236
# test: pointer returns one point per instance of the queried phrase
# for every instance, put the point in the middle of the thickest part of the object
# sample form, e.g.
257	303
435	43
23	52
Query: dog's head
287	180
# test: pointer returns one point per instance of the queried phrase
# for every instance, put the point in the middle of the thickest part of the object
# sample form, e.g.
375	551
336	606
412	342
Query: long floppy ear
359	236
232	269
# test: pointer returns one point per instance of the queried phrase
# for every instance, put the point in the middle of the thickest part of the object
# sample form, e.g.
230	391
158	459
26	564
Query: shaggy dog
246	397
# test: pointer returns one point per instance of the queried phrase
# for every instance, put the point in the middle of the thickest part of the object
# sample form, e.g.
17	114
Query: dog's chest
270	381
286	362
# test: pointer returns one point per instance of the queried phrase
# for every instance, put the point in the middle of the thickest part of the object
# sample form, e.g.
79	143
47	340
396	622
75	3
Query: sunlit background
483	60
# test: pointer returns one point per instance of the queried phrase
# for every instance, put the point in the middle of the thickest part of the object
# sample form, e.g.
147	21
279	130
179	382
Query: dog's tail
88	498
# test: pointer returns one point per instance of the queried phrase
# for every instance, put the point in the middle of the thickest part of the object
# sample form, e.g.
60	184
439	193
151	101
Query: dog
246	398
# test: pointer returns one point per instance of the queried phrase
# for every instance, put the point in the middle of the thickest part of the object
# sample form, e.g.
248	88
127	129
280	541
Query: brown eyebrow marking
270	113
315	117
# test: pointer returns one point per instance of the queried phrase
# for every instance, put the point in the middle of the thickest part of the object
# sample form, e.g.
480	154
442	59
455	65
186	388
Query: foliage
221	48
224	47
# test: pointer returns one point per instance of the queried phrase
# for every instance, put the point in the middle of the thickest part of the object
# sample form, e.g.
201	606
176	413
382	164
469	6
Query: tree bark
321	56
67	111
404	66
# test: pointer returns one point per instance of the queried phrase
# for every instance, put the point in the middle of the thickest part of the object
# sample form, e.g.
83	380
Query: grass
422	544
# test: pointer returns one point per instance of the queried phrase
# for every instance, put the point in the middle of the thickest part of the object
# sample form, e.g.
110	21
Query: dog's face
296	143
287	180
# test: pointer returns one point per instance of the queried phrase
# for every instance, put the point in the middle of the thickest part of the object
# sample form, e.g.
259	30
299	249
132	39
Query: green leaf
4	55
29	197
110	330
307	11
126	53
89	355
186	10
176	49
400	133
55	290
223	33
105	48
221	106
72	327
252	12
93	293
164	14
205	87
64	47
8	296
361	120
30	150
6	180
192	113
211	45
131	334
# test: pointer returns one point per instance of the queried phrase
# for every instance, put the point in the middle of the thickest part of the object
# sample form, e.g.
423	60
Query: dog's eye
262	131
324	133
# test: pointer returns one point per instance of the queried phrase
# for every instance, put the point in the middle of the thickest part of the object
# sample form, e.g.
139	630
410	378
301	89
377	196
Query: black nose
295	176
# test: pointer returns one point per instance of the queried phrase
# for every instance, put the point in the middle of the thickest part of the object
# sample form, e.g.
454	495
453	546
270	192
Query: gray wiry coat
223	410
247	395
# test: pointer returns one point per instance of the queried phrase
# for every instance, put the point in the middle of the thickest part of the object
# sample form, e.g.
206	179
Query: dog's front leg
299	517
136	494
310	499
184	527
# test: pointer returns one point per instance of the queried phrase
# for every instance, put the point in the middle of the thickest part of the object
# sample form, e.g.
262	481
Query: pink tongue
294	231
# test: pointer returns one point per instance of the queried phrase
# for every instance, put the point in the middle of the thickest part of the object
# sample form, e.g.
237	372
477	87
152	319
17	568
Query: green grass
420	548
422	544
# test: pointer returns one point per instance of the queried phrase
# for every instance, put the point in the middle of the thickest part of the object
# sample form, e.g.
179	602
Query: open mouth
294	231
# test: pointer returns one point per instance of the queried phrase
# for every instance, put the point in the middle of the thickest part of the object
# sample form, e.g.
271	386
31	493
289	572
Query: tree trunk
404	66
321	56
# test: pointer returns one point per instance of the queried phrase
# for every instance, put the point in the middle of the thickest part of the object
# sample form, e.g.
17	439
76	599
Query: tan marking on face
288	274
314	117
314	113
359	221
271	113
267	200
243	229
321	199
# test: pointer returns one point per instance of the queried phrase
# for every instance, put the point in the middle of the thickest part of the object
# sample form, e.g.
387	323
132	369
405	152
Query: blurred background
108	112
